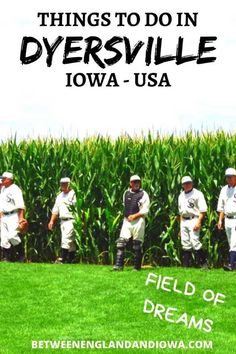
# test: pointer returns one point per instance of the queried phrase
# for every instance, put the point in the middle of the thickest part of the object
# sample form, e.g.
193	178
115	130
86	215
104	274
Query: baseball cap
230	172
135	178
186	179
65	180
7	175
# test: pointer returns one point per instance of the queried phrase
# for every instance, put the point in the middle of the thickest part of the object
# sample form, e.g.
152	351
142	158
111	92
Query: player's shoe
204	266
228	268
117	268
59	261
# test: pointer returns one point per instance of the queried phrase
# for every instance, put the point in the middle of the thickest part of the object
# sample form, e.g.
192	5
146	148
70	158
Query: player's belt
9	212
230	216
189	217
66	219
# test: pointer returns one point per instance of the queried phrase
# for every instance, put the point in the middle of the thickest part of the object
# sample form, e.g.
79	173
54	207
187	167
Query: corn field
100	169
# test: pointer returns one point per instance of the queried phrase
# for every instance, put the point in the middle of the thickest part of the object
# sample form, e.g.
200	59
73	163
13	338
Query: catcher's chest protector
132	202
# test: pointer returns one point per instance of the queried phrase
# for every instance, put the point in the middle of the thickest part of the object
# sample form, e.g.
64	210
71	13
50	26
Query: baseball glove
23	226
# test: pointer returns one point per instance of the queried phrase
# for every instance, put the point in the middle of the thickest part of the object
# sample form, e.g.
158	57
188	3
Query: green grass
88	302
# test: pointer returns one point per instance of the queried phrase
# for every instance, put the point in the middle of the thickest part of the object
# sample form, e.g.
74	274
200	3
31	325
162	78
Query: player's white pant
133	229
230	229
9	233
67	235
189	237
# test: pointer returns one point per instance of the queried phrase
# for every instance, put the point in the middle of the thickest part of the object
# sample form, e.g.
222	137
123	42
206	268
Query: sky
35	101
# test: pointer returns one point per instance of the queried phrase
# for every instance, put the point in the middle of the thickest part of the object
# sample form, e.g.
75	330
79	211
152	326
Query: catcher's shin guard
120	244
137	246
186	258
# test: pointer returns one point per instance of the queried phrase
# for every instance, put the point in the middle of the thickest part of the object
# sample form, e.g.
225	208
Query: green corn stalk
100	169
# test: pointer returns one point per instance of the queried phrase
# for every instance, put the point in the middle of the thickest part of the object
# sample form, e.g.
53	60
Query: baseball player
61	210
136	207
12	214
192	209
227	212
0	223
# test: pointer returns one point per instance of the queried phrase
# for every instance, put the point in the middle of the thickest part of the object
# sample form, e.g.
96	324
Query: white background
35	101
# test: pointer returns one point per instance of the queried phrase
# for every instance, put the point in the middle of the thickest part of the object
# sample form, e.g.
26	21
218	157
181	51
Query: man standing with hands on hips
136	207
227	212
61	210
192	210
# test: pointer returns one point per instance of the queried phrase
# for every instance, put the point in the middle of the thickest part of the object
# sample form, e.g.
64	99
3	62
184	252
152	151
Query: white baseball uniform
62	208
0	221
136	228
190	206
11	199
227	205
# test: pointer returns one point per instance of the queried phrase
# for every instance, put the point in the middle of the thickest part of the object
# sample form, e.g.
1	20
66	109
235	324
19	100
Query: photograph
117	177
